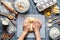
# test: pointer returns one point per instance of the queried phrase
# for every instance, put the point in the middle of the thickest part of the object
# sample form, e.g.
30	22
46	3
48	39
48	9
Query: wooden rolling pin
8	7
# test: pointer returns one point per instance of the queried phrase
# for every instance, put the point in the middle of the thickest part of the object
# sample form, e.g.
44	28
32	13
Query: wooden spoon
9	16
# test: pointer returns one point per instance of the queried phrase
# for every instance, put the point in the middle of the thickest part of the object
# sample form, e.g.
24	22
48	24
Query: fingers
37	25
38	22
32	23
26	27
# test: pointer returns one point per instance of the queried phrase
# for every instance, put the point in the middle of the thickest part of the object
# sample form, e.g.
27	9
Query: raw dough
30	21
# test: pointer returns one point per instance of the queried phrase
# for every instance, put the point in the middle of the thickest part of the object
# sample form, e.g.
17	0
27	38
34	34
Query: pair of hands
36	25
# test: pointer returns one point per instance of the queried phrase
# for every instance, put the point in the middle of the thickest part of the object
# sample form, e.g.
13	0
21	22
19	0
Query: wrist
25	32
36	31
37	34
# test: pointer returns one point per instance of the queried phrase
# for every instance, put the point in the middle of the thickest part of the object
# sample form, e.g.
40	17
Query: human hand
32	24
26	26
37	25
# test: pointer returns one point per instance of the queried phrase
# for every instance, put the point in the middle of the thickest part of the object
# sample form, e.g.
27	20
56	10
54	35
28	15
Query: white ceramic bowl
22	6
54	33
5	21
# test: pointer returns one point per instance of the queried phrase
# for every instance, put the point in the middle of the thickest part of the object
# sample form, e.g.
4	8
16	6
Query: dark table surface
34	12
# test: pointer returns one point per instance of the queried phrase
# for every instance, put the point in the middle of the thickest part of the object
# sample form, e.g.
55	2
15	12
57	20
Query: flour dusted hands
32	24
28	23
37	25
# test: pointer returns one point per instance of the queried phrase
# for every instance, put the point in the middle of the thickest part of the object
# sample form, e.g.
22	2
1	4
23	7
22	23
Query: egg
42	2
51	3
50	20
45	0
47	4
36	1
44	6
50	25
55	1
39	6
55	9
47	13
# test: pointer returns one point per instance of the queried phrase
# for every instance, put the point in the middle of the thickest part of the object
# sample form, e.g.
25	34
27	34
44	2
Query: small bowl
54	33
22	6
5	21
